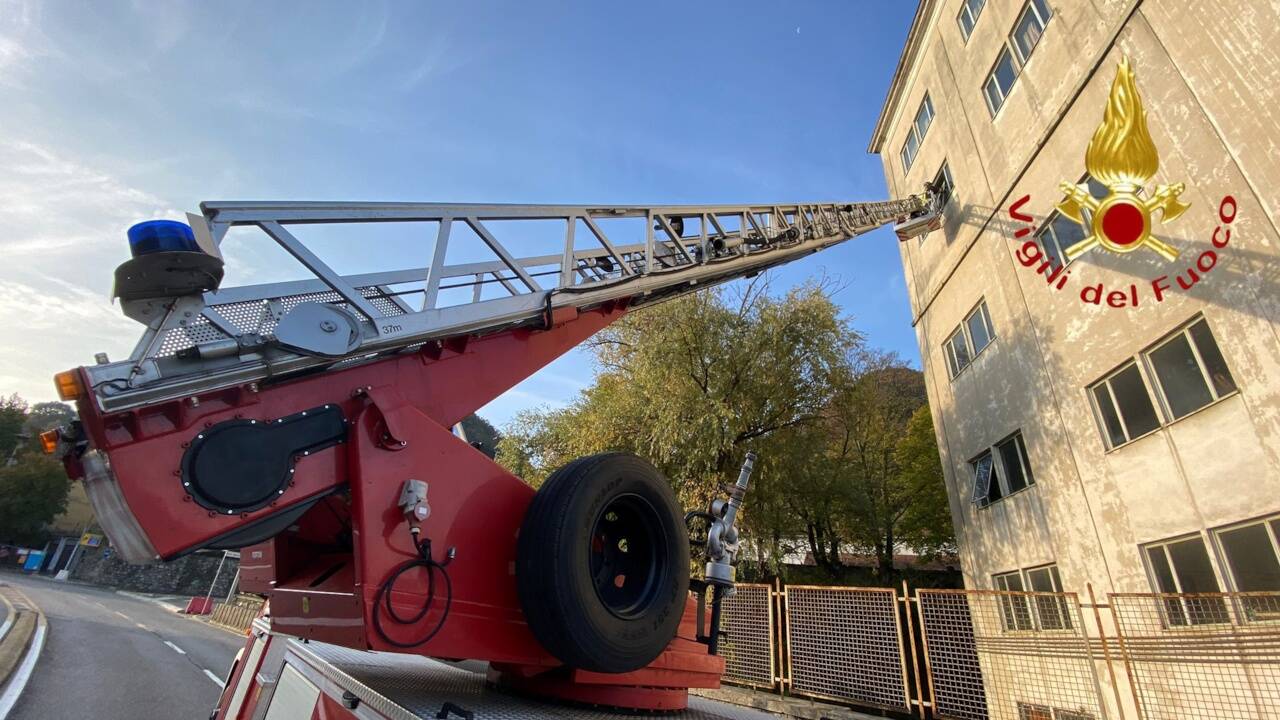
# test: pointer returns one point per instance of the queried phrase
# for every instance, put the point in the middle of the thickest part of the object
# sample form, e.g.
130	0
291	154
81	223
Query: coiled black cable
424	560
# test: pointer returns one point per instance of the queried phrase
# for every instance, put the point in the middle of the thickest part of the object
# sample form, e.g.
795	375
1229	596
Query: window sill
1003	498
1171	423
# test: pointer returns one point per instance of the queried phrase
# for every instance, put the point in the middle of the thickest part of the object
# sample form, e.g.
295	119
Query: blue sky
115	112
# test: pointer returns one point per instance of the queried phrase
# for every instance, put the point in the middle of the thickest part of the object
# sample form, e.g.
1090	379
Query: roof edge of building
910	50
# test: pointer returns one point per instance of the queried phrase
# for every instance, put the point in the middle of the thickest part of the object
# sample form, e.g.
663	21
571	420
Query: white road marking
176	649
144	627
18	680
212	677
126	617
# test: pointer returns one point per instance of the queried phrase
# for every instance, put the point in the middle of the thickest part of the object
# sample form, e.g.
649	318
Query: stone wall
190	575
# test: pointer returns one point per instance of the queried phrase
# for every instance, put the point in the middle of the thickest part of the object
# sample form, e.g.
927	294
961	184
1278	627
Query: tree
926	522
480	432
33	486
13	419
47	415
692	385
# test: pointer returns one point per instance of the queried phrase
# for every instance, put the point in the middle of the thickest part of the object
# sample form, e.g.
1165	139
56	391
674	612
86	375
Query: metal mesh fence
1205	655
846	644
748	647
1008	655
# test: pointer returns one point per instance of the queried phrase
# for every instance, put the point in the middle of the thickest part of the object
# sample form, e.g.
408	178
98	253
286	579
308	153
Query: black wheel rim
627	545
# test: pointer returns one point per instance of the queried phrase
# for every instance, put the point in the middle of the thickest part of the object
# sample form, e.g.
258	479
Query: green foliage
695	383
13	419
482	432
926	522
33	486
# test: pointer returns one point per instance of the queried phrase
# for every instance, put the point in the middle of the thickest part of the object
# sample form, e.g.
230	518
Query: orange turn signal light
69	386
49	441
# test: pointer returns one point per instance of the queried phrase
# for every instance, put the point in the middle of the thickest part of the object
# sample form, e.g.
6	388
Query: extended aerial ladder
308	422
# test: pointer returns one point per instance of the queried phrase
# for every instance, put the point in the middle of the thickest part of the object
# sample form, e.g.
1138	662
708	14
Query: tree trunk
884	563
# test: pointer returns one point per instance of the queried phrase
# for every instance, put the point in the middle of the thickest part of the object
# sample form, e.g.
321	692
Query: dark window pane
1027	33
1214	363
995	492
1133	402
1191	563
1252	558
961	351
1045	11
1012	465
1160	568
1005	74
1067	231
1051	610
994	97
978	331
923	117
1034	712
1180	377
1115	433
1026	461
1097	189
966	22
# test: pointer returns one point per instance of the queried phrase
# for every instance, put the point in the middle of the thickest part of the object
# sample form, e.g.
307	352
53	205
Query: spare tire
602	564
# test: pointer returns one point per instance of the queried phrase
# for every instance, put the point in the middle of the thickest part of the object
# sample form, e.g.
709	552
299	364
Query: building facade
1112	418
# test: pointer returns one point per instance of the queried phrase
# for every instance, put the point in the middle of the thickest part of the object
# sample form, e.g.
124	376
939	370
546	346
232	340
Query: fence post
1124	652
924	643
784	641
911	643
1106	652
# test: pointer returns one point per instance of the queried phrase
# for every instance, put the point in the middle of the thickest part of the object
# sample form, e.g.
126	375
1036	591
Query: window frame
966	7
1010	618
1016	61
1188	607
991	76
1035	7
944	173
1047	228
953	367
1184	331
1000	470
1115	406
1155	390
913	132
1251	608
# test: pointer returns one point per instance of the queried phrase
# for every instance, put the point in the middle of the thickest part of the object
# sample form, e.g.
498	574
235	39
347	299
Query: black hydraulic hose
713	642
424	560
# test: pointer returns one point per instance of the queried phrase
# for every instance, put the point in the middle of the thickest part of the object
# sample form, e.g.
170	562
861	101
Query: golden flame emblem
1123	157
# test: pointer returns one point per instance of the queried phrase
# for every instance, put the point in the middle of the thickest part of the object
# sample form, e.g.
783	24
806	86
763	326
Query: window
1013	455
1000	81
1252	555
1182	566
946	188
1190	370
1029	28
1060	232
1052	612
1186	368
971	338
986	481
1014	609
1124	406
1030	711
916	133
968	17
1002	470
1014	54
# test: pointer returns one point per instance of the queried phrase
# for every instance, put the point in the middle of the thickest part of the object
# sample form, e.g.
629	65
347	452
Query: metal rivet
279	492
306	452
186	484
200	437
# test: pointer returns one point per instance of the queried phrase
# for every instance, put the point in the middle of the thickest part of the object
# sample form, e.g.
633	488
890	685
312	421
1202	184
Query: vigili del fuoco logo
1122	158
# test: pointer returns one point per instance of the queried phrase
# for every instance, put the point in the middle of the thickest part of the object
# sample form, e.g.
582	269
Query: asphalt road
111	657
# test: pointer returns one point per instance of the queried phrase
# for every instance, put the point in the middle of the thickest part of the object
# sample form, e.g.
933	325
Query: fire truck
308	423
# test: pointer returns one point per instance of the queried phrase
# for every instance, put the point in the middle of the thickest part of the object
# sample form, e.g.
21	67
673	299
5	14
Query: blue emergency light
161	236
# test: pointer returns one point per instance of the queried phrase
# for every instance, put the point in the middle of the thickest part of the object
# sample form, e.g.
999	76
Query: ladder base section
663	685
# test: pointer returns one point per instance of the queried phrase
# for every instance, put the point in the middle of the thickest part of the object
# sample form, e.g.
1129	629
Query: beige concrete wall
1208	74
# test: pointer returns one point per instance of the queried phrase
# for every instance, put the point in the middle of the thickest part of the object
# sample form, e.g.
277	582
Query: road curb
20	648
8	617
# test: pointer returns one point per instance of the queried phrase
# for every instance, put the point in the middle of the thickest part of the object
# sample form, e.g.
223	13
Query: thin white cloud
63	236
